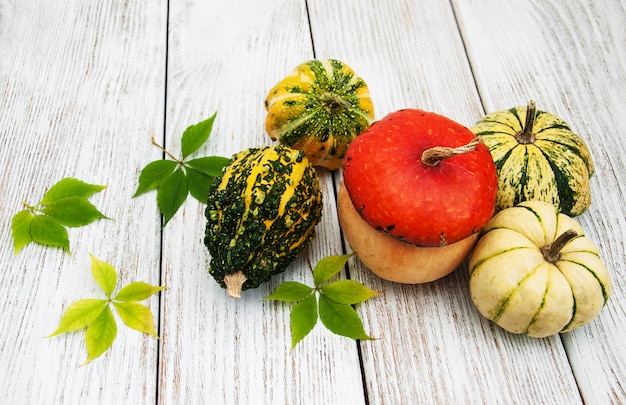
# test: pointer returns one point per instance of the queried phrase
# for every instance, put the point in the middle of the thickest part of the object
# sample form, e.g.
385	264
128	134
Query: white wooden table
85	84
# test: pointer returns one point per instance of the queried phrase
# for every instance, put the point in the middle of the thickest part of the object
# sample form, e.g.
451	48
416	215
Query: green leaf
100	334
79	315
20	230
348	292
73	211
137	291
104	274
328	267
154	174
136	316
196	135
209	165
341	319
172	194
290	291
70	187
303	319
199	184
48	231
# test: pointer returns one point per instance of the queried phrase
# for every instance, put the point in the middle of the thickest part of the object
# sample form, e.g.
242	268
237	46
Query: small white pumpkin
534	272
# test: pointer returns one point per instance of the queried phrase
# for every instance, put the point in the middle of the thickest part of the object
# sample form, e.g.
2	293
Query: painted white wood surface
84	87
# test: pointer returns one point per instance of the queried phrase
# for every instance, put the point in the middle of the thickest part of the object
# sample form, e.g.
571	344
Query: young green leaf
104	274
100	334
137	291
70	187
172	194
154	174
209	165
20	230
196	135
303	319
341	319
73	211
348	292
48	231
136	316
79	315
290	291
96	315
328	267
199	184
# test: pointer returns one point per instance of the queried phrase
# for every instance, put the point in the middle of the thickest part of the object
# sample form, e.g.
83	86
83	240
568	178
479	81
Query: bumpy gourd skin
261	213
320	107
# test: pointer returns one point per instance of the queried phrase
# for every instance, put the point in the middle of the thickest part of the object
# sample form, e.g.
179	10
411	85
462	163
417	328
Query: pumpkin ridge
605	293
567	195
477	265
500	308
541	306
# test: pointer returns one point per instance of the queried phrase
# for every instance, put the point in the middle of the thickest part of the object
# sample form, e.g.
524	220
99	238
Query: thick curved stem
552	252
432	156
526	135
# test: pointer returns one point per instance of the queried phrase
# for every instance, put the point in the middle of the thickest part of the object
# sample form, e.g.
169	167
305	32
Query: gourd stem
526	135
234	282
333	103
432	156
552	252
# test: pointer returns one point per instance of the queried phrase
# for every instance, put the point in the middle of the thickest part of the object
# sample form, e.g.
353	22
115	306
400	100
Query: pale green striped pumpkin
537	157
534	272
319	108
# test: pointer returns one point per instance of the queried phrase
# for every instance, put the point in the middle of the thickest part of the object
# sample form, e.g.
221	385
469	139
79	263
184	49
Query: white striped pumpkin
534	272
537	157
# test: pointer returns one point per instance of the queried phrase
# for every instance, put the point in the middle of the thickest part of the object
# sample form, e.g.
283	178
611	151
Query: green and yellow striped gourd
534	272
537	157
261	214
319	108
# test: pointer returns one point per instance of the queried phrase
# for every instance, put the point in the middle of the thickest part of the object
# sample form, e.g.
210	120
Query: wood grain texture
225	58
82	93
572	61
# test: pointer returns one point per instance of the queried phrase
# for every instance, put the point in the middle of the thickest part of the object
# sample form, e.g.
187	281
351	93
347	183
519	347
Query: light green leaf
79	315
20	230
303	319
199	184
209	165
290	291
104	274
328	267
154	174
348	292
137	291
48	231
136	316
172	194
341	319
100	334
196	135
70	187
73	211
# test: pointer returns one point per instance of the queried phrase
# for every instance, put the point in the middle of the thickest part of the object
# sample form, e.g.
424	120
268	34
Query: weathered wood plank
571	60
434	346
82	93
225	57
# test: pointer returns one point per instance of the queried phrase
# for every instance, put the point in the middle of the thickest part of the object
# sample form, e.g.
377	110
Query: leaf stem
174	158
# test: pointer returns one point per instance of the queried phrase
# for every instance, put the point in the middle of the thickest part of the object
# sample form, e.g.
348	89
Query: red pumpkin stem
552	252
526	135
432	156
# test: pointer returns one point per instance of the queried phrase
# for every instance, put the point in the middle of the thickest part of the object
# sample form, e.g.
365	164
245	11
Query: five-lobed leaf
196	135
79	315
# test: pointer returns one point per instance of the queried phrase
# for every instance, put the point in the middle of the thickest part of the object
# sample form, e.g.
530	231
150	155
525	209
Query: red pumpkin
422	178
